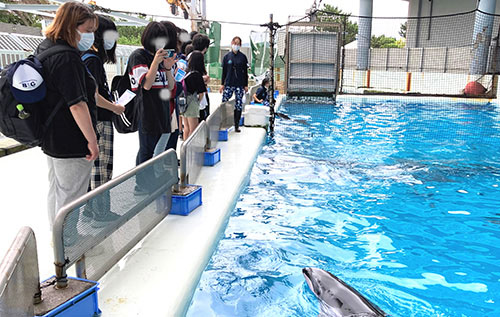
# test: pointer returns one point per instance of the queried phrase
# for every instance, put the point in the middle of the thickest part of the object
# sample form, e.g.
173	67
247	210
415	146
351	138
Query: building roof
19	42
19	29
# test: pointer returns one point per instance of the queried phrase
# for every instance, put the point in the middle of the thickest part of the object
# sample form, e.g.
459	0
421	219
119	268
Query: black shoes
237	117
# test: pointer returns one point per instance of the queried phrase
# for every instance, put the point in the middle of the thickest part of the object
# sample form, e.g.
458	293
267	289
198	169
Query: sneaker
102	220
87	215
139	191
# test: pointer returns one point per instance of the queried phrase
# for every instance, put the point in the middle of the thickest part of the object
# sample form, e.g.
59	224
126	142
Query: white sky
258	11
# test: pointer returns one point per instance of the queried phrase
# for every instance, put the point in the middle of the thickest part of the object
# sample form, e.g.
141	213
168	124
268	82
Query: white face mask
86	41
235	47
108	44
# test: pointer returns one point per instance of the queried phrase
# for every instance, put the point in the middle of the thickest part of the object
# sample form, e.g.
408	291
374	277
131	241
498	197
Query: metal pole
273	101
194	15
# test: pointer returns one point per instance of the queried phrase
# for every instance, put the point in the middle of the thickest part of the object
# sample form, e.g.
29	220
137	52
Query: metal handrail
61	261
189	173
13	262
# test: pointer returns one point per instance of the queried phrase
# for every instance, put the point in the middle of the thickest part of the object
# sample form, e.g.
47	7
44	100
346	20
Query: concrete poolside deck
157	278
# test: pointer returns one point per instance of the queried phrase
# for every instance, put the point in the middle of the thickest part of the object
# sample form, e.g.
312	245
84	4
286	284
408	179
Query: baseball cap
26	81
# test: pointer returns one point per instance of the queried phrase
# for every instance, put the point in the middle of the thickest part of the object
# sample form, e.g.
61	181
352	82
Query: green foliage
20	18
337	15
385	42
130	35
402	29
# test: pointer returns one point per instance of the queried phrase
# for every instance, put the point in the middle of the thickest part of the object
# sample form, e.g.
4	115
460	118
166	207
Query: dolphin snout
307	272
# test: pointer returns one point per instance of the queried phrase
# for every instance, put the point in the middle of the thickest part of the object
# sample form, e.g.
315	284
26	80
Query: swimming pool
400	200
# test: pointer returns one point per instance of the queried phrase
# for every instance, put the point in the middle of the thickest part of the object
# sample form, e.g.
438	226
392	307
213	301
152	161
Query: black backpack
128	121
26	122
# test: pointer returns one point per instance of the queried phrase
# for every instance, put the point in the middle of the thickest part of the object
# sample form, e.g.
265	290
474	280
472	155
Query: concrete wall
397	82
451	31
438	59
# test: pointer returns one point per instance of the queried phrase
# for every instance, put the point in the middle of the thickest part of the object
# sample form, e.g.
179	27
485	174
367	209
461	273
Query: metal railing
227	114
213	123
8	57
192	154
19	276
98	229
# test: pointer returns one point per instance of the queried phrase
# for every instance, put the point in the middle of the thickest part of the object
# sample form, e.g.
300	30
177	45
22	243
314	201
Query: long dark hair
196	62
105	24
155	31
264	82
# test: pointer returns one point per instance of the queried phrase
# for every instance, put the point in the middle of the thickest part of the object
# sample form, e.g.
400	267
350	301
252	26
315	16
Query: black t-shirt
155	110
68	83
95	66
194	83
262	94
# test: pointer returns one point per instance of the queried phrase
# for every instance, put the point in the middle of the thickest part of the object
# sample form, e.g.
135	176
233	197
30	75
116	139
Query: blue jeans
147	144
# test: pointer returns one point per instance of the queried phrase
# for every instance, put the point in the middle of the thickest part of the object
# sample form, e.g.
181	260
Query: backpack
85	57
182	98
128	121
22	98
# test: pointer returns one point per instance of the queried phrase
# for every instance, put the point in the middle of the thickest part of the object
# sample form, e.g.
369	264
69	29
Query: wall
451	31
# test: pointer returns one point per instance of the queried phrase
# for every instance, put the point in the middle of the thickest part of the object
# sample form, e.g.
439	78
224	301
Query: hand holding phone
170	53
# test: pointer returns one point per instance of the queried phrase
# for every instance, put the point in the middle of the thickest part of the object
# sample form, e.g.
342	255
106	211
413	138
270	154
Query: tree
130	35
333	14
21	18
385	42
402	29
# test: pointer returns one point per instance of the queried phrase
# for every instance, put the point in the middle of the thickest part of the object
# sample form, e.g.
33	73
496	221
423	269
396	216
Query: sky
258	12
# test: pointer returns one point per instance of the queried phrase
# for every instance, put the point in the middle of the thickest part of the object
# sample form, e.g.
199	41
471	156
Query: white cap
26	78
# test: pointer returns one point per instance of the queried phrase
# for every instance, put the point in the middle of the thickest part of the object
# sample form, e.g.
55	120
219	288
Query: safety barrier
19	277
97	230
213	122
192	154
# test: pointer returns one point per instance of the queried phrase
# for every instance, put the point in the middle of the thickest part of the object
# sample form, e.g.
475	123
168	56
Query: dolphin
337	298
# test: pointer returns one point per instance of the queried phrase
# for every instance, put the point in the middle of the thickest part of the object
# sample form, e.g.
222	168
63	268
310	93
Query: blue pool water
400	200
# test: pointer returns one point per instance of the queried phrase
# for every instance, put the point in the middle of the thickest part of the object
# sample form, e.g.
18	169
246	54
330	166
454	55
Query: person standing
103	51
150	72
235	78
196	89
201	43
70	141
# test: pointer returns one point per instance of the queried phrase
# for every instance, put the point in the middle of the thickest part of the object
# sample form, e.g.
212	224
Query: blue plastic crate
211	157
83	305
223	135
183	205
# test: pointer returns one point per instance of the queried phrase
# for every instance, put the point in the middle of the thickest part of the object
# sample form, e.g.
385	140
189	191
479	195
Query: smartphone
170	53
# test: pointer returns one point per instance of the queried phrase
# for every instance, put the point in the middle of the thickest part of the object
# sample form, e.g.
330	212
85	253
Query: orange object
408	81
474	88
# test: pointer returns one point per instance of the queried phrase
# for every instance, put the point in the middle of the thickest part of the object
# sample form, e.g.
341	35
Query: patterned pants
238	92
102	171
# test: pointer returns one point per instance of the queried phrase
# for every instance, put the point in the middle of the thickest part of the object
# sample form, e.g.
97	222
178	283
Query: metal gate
313	55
